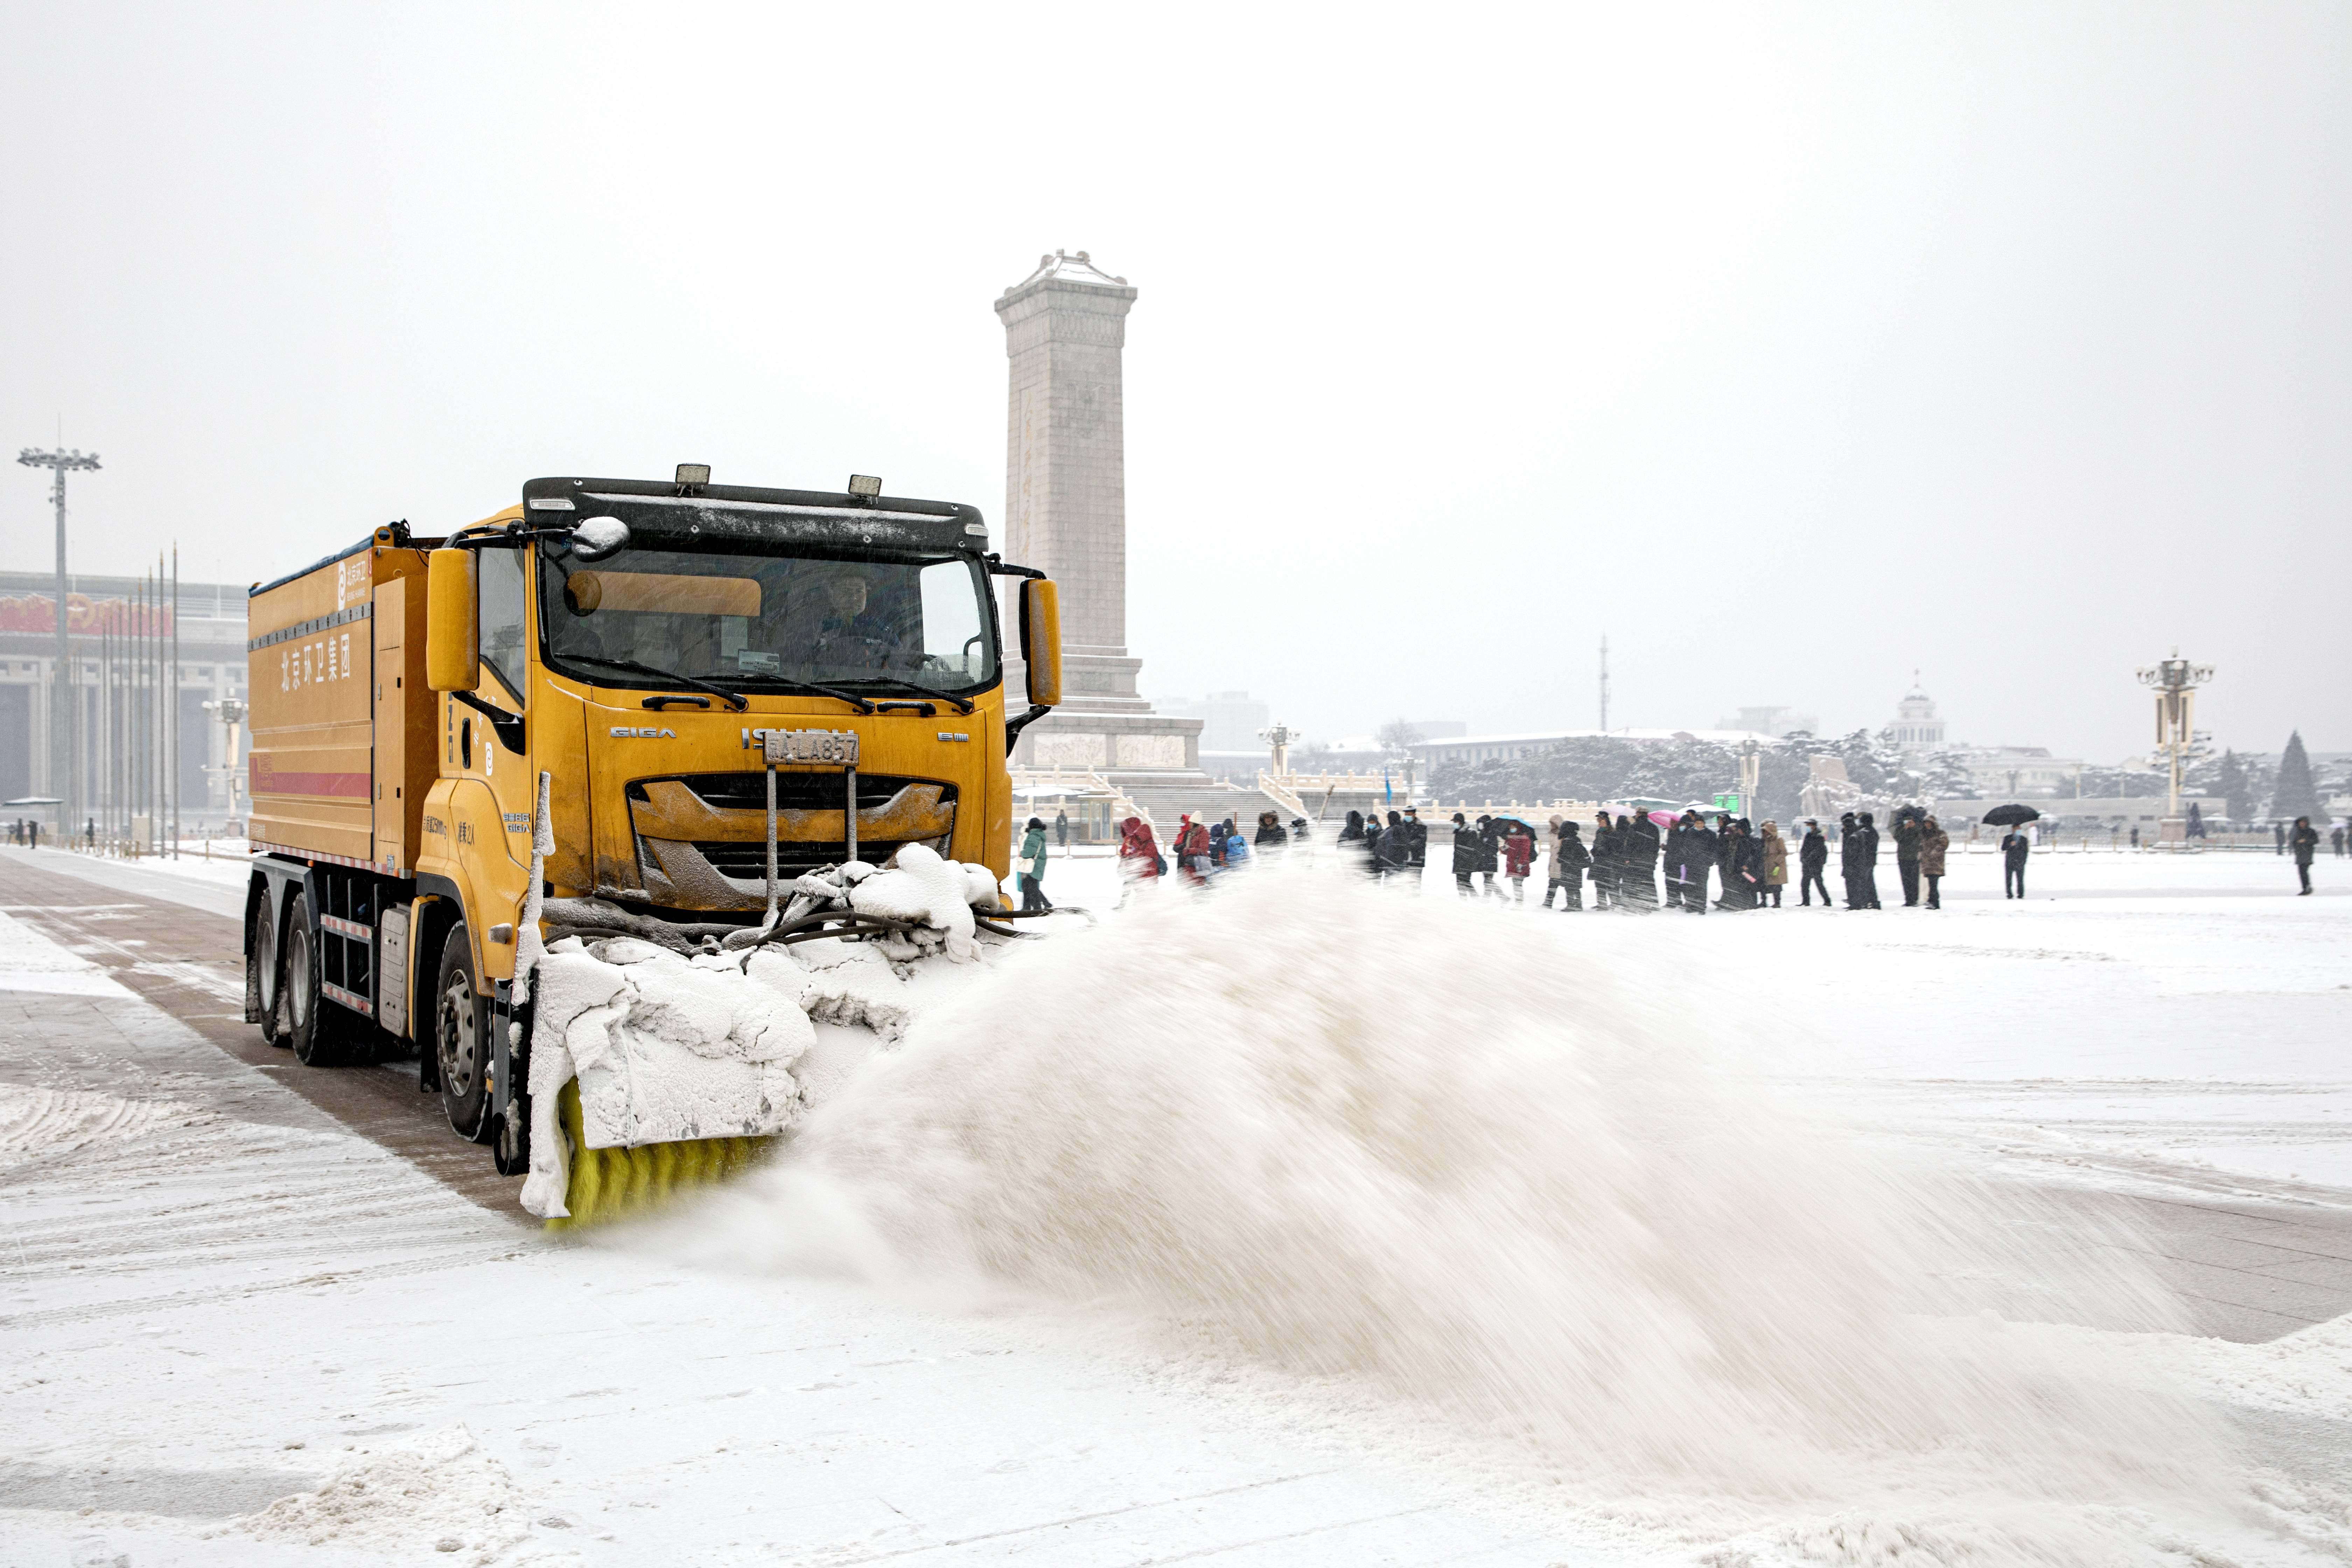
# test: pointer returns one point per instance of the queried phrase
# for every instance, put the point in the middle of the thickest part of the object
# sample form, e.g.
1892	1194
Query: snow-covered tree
1947	777
2294	794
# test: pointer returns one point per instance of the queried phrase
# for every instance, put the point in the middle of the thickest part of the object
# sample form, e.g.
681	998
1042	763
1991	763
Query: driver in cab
852	631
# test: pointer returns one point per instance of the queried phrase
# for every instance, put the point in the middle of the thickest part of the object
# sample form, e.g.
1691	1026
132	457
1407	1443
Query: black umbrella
2010	816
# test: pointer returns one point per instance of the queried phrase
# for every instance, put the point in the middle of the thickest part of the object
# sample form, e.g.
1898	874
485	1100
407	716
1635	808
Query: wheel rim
297	978
460	1045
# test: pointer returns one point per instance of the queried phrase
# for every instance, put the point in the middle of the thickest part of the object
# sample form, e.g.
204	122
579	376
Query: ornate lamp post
2175	681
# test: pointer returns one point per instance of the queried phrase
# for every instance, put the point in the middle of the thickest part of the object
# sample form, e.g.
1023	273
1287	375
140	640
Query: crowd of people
1734	865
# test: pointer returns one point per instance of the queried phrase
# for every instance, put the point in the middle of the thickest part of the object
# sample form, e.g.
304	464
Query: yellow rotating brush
607	1185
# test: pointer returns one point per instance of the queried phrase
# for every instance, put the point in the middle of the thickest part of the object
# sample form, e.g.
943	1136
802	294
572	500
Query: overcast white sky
1792	347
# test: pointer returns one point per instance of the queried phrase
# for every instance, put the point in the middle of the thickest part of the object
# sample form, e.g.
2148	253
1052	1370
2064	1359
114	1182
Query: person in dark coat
1605	862
1374	833
2014	849
1691	852
1641	861
1416	839
1465	856
1355	829
1061	829
1490	855
1569	862
2305	842
1269	834
1849	861
2277	828
1813	855
1670	857
1909	834
1746	868
1867	859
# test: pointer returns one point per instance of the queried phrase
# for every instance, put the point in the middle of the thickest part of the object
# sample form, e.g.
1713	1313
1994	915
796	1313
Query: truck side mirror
1041	639
453	647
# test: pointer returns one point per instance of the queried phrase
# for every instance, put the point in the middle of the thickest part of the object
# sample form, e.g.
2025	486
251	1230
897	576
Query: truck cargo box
340	717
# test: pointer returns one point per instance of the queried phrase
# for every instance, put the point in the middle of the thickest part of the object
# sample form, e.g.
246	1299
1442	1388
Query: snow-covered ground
1297	1224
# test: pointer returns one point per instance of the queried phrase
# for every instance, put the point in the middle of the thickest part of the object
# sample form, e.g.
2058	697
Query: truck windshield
744	620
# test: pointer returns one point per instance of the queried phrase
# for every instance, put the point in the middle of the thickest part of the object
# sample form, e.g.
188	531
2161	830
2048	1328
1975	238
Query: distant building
1775	722
117	674
1915	727
1509	748
2017	773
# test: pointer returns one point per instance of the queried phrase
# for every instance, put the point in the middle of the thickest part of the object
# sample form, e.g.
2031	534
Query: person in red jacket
1518	856
1192	852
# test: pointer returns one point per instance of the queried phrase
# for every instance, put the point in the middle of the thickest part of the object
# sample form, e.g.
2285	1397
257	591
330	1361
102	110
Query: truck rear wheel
461	1039
324	1035
261	972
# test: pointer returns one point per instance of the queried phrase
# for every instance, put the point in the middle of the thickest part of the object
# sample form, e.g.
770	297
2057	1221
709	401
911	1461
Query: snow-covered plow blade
664	1056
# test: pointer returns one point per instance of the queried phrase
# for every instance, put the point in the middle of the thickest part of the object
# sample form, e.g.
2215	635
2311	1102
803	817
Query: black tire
324	1034
461	1039
261	971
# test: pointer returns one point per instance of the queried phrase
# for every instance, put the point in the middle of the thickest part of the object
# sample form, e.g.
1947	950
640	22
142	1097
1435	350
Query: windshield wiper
962	706
731	699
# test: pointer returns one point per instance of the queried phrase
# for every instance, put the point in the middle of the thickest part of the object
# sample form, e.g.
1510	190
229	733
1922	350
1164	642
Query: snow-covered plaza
242	1328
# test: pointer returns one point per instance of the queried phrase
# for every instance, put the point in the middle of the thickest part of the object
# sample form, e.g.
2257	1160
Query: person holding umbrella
2014	845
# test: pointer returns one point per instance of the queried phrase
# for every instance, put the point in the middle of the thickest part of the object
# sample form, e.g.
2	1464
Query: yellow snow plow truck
617	706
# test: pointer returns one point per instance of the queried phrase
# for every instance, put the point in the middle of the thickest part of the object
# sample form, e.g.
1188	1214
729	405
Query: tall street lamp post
2175	681
64	751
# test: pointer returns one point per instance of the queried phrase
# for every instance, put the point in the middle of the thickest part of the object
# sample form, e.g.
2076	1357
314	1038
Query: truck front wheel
461	1039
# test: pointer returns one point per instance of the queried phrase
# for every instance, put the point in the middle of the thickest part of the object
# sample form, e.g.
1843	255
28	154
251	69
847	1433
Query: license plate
839	747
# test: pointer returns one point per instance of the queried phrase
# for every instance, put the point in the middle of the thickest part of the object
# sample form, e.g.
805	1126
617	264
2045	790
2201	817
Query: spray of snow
1373	1137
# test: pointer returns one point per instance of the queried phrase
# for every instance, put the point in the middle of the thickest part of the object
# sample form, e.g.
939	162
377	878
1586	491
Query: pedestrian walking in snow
1605	862
1416	840
1640	840
1489	857
1519	848
1776	865
2015	847
1870	846
2336	839
1464	862
1355	829
1269	834
1138	855
1850	860
2305	842
1061	829
1812	856
1742	868
1933	844
1033	870
1908	833
2278	828
1193	851
1569	862
1691	851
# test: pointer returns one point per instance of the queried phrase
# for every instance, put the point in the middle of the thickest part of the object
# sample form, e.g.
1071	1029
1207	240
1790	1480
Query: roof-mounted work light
865	487
692	476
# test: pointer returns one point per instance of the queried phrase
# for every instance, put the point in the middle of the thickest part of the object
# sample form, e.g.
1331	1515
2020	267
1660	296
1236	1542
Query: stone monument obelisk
1065	514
